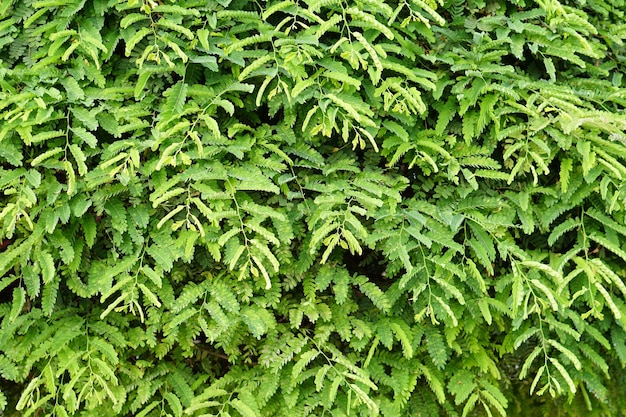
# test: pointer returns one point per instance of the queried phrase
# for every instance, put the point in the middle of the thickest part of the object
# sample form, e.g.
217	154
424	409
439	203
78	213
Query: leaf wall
335	207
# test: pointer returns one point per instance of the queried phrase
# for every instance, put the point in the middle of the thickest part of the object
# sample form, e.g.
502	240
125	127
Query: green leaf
370	21
566	376
46	263
88	119
117	214
107	350
181	387
80	159
152	275
176	97
147	409
18	301
461	385
254	319
566	352
174	9
436	348
561	229
174	403
243	408
405	341
90	229
608	245
48	154
135	39
434	382
32	281
74	91
481	254
304	360
447	112
49	296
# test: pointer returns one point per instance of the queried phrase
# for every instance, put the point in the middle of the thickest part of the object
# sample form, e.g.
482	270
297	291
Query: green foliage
318	207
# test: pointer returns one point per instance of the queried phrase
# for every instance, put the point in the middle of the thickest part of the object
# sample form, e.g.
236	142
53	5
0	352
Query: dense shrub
335	207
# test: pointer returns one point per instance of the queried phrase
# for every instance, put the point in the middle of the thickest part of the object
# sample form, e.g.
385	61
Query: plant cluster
312	207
